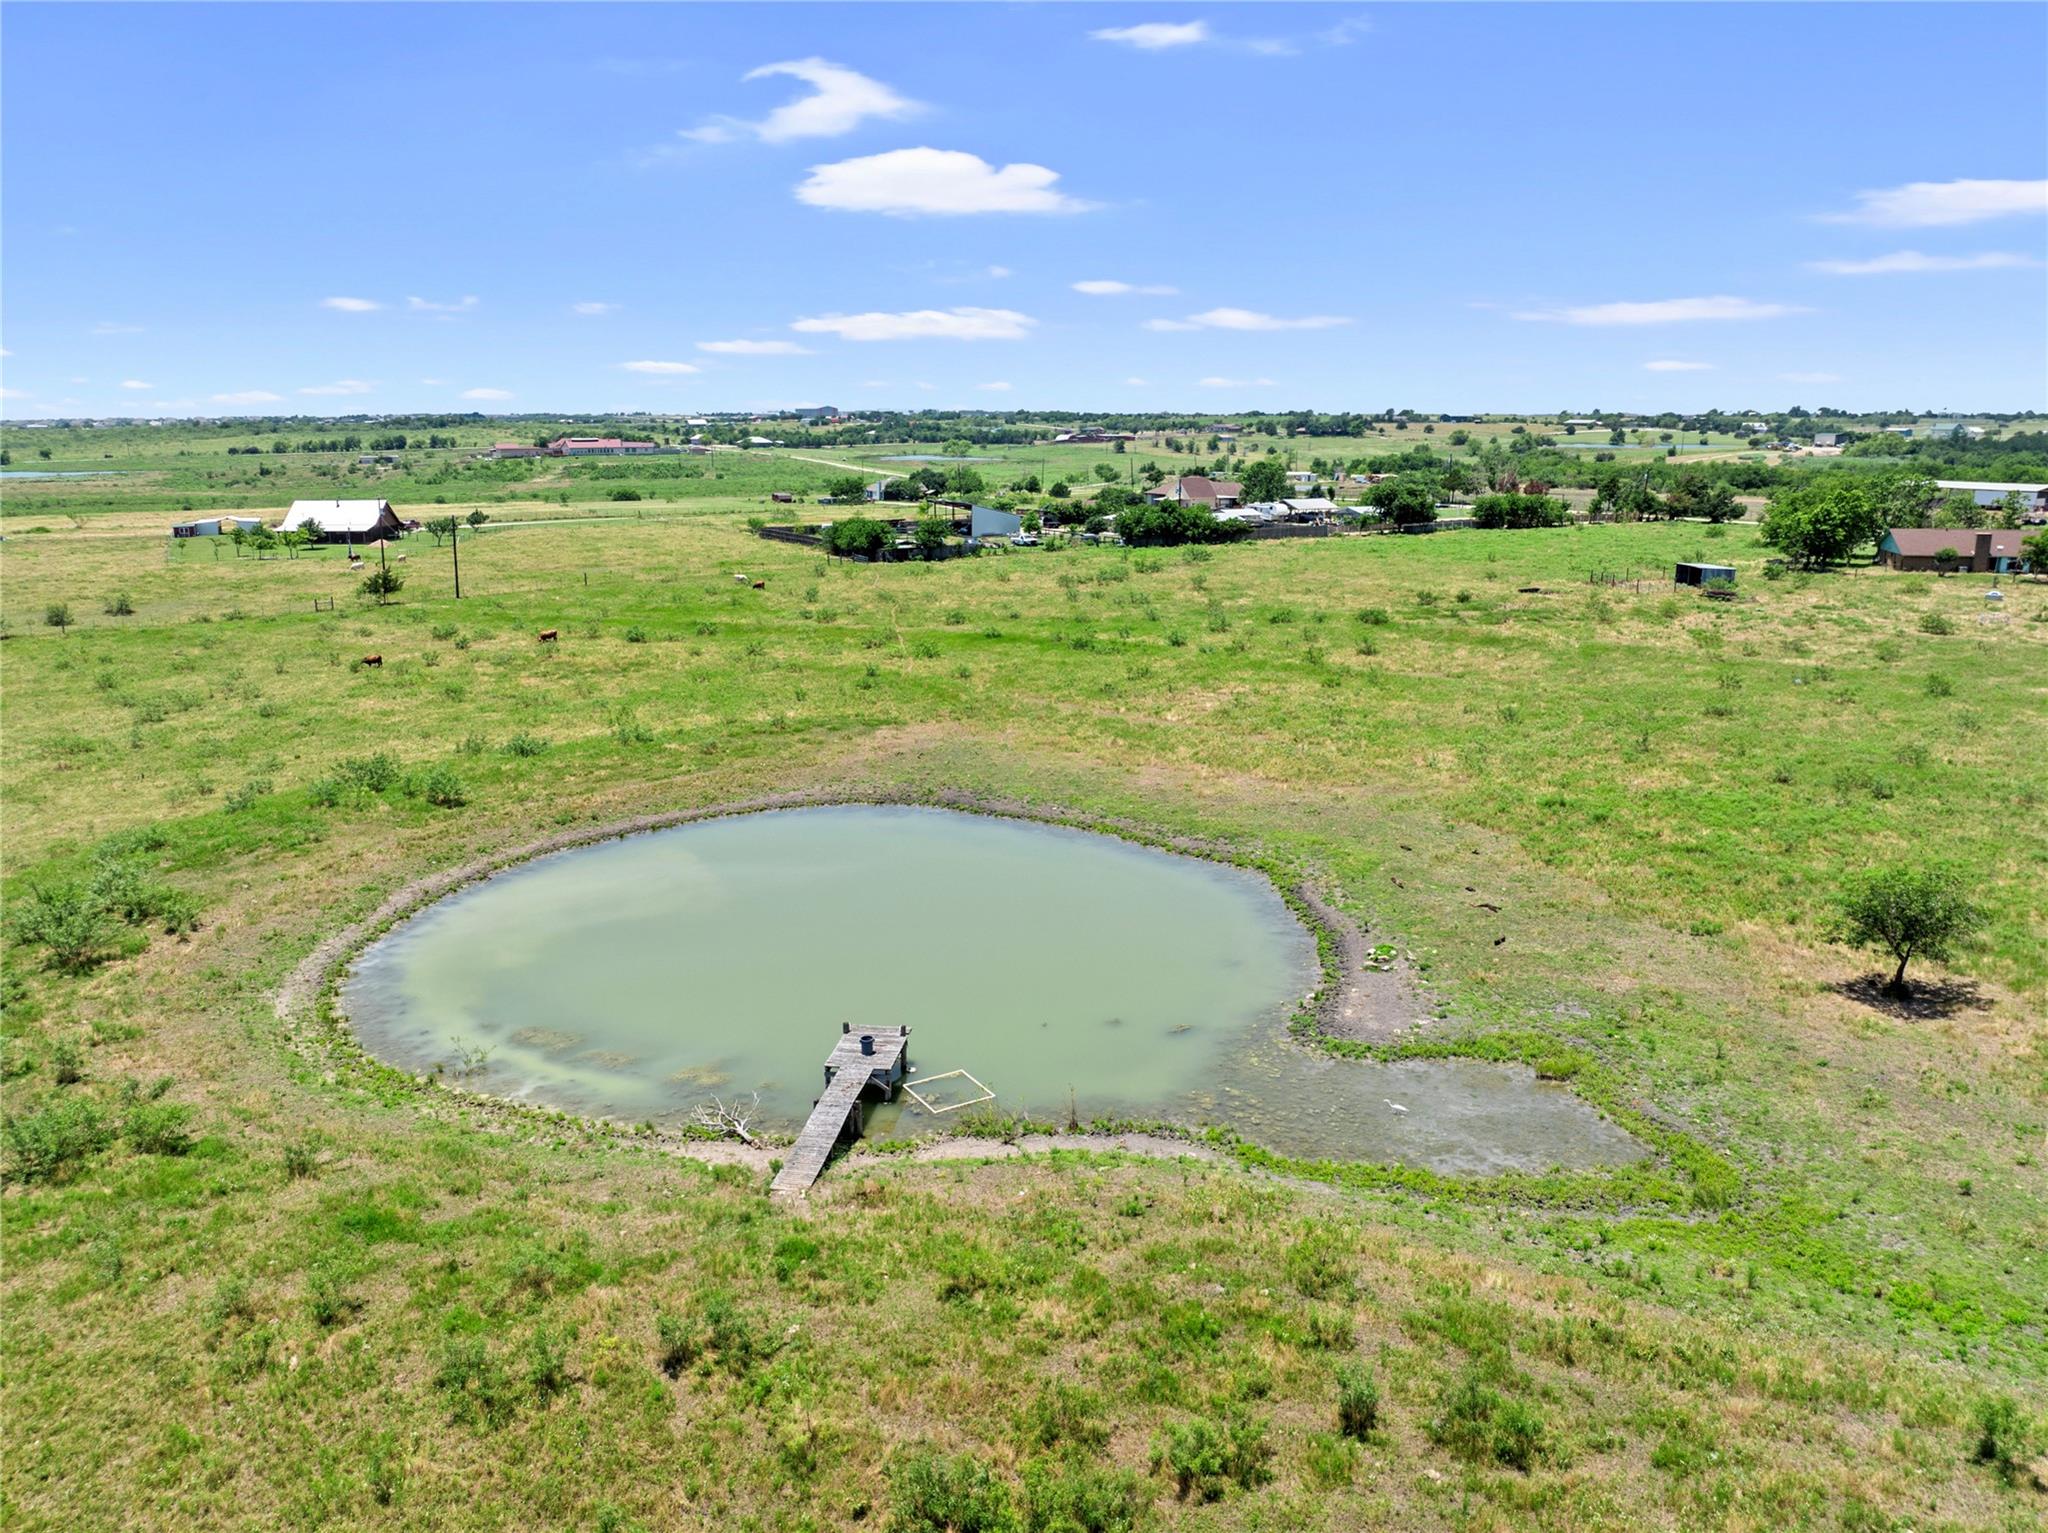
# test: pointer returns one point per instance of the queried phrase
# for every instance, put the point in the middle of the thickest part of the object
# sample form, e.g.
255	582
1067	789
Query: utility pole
455	543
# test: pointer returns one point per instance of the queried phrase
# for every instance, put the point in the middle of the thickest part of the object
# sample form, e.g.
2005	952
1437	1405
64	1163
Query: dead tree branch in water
725	1118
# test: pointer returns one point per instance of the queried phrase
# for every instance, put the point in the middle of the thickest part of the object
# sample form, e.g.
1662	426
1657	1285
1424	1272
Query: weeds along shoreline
308	1005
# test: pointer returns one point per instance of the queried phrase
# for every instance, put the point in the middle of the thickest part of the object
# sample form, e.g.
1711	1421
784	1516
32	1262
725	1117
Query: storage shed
1704	575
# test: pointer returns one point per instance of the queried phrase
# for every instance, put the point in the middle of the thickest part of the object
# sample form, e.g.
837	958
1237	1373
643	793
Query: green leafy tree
58	615
442	528
1406	500
1696	495
965	481
1518	511
383	582
1263	480
1907	911
1107	473
930	535
1821	521
1059	490
2034	550
477	517
857	536
847	489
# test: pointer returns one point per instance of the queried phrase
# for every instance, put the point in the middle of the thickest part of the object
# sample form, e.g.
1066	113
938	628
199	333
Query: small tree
1907	912
441	528
930	535
58	615
848	489
383	582
1264	480
477	517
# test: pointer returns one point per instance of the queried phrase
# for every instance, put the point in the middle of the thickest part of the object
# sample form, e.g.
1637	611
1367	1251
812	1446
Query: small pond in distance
636	978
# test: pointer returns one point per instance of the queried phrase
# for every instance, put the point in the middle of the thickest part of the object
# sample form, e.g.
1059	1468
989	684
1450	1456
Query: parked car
1024	540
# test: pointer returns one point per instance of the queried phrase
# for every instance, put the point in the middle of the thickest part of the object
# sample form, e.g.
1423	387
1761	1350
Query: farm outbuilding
215	526
1704	575
344	521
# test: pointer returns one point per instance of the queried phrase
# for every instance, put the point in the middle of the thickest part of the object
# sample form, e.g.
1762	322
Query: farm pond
639	978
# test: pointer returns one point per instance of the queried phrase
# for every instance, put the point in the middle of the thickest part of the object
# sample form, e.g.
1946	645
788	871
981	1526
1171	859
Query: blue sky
341	209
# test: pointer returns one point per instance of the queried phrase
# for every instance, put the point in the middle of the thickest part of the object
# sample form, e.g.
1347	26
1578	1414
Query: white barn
352	521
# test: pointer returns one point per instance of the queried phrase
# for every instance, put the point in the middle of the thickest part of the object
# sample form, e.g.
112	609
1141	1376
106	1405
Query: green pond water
638	978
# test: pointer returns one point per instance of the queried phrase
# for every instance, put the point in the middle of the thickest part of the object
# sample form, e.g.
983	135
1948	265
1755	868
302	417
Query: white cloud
660	369
487	394
964	324
461	305
907	182
136	383
999	272
1665	311
1152	36
1246	319
1137	383
877	383
351	305
1914	261
14	394
1810	377
1109	287
1678	367
592	309
1935	204
840	101
994	388
754	348
111	327
435	383
4	352
341	386
247	397
1238	383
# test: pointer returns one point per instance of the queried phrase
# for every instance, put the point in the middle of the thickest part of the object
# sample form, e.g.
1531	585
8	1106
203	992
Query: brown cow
373	660
549	635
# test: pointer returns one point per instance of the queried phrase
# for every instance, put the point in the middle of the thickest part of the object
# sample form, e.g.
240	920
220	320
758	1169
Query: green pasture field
251	1280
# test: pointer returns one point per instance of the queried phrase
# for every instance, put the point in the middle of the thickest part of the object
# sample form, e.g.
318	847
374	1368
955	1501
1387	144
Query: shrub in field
73	927
47	1144
301	1160
123	888
1479	1423
328	1300
1319	1266
158	1128
367	774
481	1391
2003	1440
67	1062
1934	622
439	785
118	605
1081	1498
525	745
1206	1456
1358	1402
932	1493
546	1363
1066	1417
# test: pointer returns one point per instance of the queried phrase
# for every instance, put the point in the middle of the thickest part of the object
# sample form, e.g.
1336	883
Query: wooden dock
865	1066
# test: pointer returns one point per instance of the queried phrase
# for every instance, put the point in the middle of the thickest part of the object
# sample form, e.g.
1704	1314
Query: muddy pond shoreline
1353	1001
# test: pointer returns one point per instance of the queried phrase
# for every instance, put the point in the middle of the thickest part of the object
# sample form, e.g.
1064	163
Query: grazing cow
760	585
377	660
549	635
